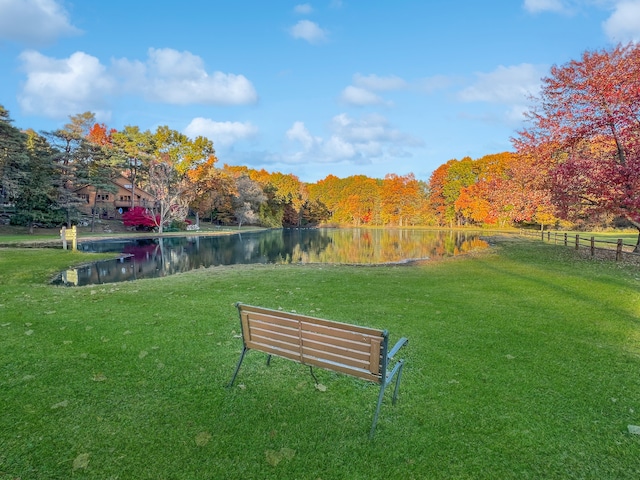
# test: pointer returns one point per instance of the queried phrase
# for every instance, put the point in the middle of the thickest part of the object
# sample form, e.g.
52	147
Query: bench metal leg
233	379
375	416
396	370
395	390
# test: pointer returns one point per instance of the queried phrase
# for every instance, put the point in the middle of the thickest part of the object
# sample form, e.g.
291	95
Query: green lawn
522	363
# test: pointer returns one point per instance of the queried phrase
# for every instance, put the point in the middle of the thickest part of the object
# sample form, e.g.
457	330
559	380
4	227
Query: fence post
565	239
619	250
577	241
542	235
593	246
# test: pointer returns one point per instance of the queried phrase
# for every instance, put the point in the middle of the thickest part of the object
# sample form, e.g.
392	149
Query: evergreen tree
13	159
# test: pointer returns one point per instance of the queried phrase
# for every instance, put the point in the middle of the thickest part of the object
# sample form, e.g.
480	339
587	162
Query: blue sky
312	88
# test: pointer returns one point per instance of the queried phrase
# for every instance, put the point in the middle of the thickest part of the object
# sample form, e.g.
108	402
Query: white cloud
370	128
360	97
59	88
299	133
537	6
303	9
624	23
180	78
361	93
309	31
221	133
350	140
376	83
337	149
507	85
34	22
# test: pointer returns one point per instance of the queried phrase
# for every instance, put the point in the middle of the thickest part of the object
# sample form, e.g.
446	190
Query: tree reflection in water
158	257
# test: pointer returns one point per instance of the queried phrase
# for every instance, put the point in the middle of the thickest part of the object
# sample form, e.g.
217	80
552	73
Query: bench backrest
350	349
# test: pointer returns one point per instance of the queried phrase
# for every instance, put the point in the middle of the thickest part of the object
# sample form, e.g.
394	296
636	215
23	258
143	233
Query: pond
159	257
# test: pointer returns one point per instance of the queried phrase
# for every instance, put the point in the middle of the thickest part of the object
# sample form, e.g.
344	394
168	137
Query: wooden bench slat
359	337
277	314
270	321
336	358
375	355
289	344
362	344
362	352
270	327
288	337
281	352
258	341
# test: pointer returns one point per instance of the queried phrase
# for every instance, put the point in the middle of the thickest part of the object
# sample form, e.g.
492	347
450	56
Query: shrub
140	218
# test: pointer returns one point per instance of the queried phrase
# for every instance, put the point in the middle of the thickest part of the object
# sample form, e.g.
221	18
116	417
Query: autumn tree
104	163
328	192
212	189
137	148
585	125
247	200
353	200
174	155
400	199
291	193
445	185
473	205
359	201
437	201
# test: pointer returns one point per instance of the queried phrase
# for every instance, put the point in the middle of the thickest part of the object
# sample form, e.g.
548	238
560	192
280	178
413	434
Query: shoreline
56	242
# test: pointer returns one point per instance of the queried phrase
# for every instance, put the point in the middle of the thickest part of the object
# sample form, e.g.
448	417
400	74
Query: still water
158	257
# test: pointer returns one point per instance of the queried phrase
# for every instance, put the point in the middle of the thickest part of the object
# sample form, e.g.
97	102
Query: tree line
40	174
576	160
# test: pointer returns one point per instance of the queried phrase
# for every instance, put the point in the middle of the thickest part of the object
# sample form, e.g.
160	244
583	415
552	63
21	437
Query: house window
125	198
103	197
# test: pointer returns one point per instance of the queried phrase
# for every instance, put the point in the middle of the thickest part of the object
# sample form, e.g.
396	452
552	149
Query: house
111	205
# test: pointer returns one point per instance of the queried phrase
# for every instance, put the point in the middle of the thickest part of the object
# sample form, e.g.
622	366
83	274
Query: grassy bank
522	363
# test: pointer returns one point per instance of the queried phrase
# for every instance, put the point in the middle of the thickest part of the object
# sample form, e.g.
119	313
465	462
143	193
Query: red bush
139	217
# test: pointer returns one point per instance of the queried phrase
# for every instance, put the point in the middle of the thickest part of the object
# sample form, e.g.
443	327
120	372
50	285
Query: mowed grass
523	363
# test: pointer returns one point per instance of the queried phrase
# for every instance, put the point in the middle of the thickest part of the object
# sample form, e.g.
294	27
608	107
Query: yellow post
74	238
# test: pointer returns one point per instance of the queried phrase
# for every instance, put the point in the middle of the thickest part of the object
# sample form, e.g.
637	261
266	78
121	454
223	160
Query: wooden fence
618	247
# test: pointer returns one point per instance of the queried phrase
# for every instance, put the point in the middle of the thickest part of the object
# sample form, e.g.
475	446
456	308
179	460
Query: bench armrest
401	343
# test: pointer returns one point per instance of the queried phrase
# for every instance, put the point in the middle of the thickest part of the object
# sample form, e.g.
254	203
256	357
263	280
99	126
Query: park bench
350	349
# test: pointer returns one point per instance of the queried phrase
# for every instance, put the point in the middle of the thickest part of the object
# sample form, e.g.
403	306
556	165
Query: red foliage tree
139	217
585	125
